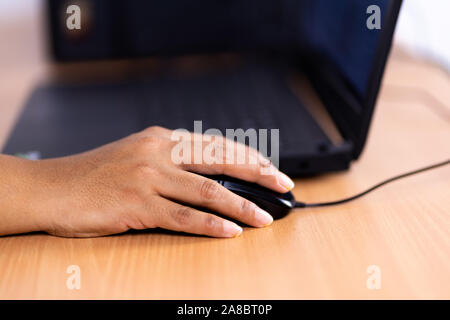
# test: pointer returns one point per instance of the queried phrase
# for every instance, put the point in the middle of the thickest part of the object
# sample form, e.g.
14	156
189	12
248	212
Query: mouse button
263	203
247	189
287	196
276	210
256	193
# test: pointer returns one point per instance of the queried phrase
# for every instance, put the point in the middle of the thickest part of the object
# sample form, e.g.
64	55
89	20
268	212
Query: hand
134	184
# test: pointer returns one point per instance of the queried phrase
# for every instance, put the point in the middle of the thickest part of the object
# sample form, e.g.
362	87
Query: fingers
191	188
218	155
222	156
176	217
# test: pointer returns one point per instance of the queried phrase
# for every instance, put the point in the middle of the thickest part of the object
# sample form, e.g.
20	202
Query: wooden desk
403	228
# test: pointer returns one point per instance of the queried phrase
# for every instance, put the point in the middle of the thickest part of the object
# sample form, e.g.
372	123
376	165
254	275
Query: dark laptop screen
334	30
337	31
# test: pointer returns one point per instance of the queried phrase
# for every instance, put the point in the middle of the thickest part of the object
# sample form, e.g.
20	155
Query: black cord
337	202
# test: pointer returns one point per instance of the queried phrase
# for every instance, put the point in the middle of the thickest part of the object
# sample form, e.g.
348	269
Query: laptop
311	69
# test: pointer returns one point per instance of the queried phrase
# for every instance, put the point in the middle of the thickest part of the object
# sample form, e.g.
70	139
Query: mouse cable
337	202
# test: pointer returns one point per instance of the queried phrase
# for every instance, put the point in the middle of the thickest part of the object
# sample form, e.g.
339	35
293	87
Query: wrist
24	197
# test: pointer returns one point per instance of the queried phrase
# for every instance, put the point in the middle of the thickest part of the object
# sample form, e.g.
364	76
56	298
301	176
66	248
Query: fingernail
231	229
285	181
263	219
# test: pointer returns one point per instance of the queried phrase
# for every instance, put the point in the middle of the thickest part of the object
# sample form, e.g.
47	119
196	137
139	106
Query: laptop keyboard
252	97
64	119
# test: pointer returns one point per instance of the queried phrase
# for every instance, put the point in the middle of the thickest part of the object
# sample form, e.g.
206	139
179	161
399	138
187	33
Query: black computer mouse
277	204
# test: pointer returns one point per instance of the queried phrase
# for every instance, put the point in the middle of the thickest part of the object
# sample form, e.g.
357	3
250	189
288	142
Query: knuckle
173	144
264	162
145	170
248	210
255	166
211	224
182	215
156	130
209	190
149	141
247	206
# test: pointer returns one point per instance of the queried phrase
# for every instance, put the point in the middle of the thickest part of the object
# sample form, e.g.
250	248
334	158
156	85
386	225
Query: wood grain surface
404	228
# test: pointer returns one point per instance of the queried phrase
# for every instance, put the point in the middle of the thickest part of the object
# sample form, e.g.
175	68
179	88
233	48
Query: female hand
135	184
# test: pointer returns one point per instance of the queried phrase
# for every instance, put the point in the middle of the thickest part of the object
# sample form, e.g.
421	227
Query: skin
131	184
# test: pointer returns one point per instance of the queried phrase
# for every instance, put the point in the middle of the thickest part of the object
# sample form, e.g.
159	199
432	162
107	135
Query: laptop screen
341	45
335	30
338	32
